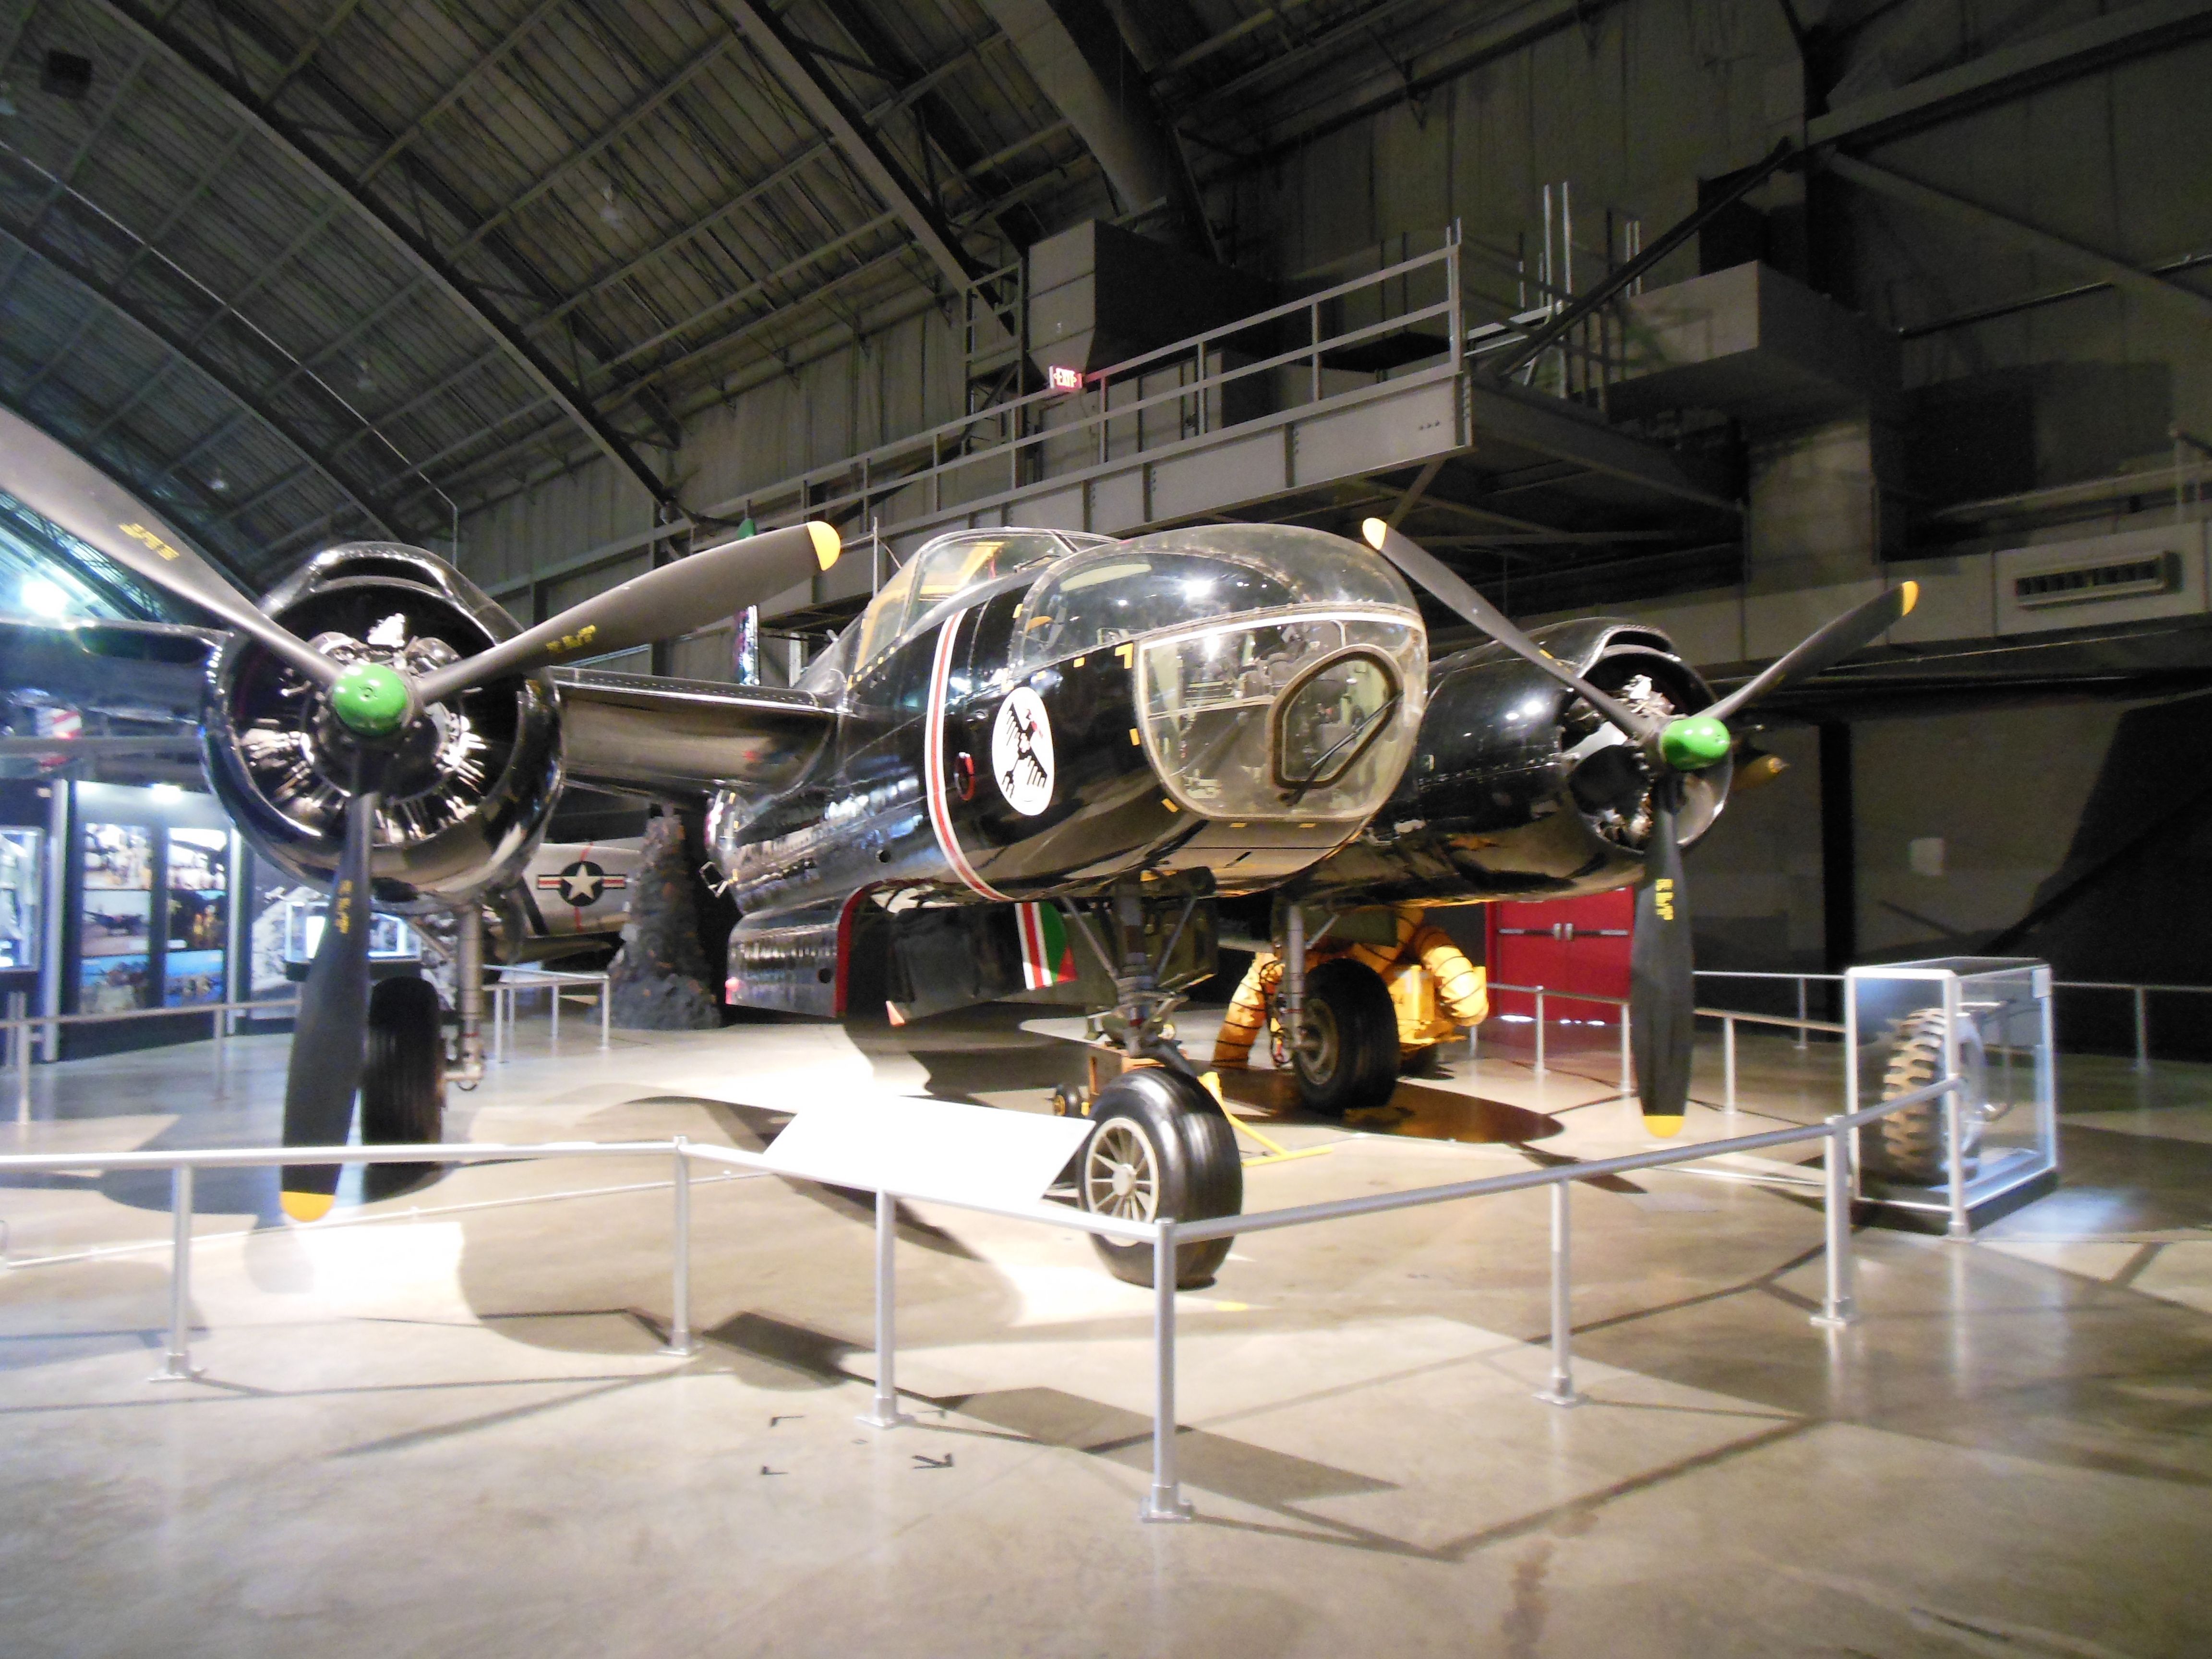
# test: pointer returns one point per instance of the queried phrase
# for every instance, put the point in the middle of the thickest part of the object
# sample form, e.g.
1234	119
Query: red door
1563	945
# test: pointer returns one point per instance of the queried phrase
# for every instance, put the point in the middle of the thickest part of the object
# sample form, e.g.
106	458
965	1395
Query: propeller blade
53	481
1662	992
658	605
1424	569
330	1031
1852	631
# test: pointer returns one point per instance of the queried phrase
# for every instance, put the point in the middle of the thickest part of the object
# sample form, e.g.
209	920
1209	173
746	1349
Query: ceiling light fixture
42	597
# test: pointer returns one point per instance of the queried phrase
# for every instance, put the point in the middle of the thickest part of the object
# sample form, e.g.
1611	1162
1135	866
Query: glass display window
113	985
119	857
199	890
115	923
21	897
192	979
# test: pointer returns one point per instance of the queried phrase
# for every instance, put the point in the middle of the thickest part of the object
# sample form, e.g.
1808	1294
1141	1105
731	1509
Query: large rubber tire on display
1914	1147
1351	1058
1160	1145
402	1081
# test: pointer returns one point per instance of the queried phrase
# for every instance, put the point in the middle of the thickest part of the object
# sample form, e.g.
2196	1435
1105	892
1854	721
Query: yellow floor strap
1276	1153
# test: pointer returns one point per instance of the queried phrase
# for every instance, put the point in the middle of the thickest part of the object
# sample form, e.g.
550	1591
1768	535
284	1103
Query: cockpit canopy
1280	672
949	565
1177	577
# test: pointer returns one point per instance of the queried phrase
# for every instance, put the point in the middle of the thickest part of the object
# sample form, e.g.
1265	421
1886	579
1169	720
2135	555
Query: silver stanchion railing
1164	1500
512	982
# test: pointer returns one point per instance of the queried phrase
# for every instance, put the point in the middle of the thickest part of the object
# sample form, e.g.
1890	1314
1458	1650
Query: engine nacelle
1519	789
466	797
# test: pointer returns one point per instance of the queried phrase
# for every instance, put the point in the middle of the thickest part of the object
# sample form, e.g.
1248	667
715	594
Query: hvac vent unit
2105	578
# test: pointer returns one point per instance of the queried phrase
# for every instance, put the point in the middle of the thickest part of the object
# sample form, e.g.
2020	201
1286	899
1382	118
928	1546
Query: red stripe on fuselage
932	767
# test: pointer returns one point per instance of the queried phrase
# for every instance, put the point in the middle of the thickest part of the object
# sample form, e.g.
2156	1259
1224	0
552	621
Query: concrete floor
439	1424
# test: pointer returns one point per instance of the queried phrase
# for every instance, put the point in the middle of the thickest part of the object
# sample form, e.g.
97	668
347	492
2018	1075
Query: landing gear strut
1336	1028
405	1068
1162	1147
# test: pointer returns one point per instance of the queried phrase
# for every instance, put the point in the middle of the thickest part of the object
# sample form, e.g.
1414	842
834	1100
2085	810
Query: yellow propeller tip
1664	1127
309	1206
1375	532
828	544
1911	598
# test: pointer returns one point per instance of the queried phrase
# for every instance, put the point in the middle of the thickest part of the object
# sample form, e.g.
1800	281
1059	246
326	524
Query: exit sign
1064	379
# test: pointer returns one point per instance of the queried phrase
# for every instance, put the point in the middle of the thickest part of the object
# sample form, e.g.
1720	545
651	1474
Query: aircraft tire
1354	1061
1160	1145
402	1081
1914	1145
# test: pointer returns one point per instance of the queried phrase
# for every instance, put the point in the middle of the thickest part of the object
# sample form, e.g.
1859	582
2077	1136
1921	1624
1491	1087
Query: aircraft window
952	566
941	569
880	625
1122	597
1107	594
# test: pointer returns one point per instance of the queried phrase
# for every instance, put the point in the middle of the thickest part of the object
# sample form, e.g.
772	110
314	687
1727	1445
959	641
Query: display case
148	879
390	940
1933	1166
22	886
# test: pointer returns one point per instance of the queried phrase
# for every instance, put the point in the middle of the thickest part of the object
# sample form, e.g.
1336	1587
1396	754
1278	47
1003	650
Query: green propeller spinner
1693	743
370	700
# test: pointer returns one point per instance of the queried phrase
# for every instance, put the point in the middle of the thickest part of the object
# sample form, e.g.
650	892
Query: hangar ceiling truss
299	273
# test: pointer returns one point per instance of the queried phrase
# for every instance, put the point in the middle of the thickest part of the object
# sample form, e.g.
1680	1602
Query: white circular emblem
1021	752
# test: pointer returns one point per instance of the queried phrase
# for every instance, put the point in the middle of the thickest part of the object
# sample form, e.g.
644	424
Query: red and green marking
1047	958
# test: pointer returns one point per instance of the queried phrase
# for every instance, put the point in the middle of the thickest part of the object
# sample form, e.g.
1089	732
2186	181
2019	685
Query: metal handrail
1165	1502
516	978
861	479
20	1028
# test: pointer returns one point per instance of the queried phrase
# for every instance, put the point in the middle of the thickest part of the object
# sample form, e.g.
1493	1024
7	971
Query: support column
679	1313
1839	886
177	1361
1166	1500
884	1413
1561	1389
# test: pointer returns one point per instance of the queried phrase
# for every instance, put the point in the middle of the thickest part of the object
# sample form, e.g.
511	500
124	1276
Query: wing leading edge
642	735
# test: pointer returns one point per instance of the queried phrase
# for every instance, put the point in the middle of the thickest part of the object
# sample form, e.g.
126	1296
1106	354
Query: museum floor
439	1426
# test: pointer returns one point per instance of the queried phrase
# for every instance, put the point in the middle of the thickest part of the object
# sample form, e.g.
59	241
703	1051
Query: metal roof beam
614	397
272	269
292	139
183	512
2014	71
151	323
1075	51
723	303
742	199
2119	272
786	60
720	343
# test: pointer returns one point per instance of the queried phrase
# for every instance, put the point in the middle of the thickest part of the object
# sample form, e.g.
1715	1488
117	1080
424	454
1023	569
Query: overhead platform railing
1377	382
1373	374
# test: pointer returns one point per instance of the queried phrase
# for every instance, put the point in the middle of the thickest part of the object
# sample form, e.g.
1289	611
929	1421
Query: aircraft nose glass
1326	722
1302	716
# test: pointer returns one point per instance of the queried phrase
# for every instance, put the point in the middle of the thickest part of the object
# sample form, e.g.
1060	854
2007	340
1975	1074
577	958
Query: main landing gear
405	1069
1347	1025
1160	1146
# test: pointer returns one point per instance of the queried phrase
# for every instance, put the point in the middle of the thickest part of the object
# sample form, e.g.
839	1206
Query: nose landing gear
1162	1145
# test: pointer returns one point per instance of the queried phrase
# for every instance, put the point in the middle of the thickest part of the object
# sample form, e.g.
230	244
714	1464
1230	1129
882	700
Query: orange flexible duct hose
1248	1012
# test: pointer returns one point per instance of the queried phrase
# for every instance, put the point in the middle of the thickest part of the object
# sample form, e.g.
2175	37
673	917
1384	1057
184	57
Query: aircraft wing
649	736
132	670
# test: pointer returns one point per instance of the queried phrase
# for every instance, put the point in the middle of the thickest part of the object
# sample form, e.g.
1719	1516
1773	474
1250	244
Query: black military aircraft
1032	739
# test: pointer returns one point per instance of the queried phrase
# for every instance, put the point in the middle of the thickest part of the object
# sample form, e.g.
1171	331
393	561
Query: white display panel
932	1148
